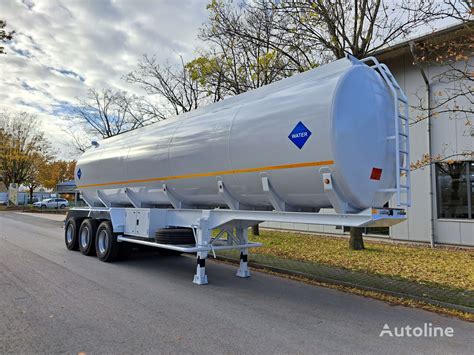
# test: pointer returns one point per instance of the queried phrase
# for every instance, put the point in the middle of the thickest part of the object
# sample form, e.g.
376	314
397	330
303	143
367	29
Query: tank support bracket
133	198
229	198
226	195
173	199
103	198
86	200
276	201
337	203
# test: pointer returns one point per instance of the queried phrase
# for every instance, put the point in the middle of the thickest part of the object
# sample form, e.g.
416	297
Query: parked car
52	203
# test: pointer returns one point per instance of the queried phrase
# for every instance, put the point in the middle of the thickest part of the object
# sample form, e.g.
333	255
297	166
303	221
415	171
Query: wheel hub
85	237
69	233
103	242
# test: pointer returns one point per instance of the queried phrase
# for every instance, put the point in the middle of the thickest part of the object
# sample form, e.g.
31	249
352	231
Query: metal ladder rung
402	117
403	134
404	169
386	190
402	187
402	100
403	152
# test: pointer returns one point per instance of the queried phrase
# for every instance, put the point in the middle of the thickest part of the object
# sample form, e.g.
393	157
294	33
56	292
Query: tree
228	66
78	136
177	89
456	102
22	142
54	172
356	240
5	36
234	64
257	27
255	229
109	112
46	172
33	178
311	32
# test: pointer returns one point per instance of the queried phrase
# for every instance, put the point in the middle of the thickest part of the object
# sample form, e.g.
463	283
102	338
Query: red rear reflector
376	174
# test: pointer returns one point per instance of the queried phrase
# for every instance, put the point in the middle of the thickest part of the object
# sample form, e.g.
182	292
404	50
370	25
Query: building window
455	190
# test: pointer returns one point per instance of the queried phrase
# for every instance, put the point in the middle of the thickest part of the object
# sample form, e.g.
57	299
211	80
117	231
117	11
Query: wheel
87	233
71	232
62	207
43	207
106	245
175	236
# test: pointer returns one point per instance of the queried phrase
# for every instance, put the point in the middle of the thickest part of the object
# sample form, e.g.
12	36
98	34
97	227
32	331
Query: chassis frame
231	225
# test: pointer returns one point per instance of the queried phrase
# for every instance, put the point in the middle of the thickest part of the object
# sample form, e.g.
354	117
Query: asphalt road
56	301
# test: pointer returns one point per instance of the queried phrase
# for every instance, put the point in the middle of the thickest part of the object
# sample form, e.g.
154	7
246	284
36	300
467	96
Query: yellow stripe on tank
215	173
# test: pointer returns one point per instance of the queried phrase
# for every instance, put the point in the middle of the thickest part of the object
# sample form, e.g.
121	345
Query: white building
442	194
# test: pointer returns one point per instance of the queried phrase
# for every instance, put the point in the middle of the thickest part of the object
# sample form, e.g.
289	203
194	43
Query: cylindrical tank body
335	118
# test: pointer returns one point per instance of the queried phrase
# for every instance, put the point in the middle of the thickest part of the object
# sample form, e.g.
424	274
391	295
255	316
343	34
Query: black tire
62	207
175	236
72	227
86	236
106	245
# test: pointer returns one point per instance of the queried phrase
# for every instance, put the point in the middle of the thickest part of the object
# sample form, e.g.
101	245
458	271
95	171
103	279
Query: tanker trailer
335	137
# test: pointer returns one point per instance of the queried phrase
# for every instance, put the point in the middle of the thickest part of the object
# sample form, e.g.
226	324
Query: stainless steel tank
336	117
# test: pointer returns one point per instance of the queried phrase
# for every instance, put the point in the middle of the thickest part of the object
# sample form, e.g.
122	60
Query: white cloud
63	48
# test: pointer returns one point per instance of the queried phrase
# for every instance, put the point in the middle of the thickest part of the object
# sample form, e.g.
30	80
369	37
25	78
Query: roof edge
453	30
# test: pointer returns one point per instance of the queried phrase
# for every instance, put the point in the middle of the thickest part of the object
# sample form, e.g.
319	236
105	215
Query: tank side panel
265	126
200	146
247	131
149	160
98	166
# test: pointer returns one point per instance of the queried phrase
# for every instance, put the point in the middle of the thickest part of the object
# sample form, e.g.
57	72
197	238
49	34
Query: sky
62	48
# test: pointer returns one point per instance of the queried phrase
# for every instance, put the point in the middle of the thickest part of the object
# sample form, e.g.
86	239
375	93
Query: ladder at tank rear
402	134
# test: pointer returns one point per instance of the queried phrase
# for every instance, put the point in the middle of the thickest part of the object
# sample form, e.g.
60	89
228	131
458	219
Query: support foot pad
243	273
200	280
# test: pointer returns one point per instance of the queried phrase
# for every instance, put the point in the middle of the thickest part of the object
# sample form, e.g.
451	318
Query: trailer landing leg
243	268
201	277
202	234
242	235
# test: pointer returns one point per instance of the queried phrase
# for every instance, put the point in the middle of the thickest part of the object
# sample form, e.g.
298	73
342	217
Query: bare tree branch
109	113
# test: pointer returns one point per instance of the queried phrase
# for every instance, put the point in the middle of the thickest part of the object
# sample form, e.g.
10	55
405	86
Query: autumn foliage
26	157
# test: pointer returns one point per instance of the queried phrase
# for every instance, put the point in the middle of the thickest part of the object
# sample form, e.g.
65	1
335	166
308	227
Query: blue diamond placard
79	173
299	135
